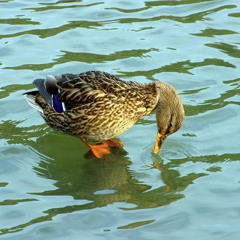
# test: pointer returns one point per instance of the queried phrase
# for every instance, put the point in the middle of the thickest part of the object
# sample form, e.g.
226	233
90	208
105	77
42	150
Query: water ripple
50	188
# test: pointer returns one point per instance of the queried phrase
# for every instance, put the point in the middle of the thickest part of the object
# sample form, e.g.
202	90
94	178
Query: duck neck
162	90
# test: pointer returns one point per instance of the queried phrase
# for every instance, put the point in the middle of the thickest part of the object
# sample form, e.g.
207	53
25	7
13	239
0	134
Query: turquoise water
49	189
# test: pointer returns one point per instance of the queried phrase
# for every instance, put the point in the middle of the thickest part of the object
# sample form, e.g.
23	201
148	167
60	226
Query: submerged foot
113	143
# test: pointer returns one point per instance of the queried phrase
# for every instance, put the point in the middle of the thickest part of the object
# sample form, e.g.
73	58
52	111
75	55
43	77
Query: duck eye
170	124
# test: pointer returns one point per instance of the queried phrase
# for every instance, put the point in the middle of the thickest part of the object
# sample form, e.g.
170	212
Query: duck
96	106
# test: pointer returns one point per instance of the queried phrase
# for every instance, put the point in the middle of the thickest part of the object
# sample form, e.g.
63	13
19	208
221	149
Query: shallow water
49	189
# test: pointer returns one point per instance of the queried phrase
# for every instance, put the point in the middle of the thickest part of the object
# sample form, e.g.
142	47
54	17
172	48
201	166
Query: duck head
169	113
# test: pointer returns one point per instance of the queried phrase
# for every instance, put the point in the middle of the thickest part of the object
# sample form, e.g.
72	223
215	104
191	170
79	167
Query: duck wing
85	87
94	86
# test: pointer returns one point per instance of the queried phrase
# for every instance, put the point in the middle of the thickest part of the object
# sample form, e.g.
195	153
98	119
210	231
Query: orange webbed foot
101	149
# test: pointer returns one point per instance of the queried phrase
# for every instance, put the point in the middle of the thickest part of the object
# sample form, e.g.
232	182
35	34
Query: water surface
49	189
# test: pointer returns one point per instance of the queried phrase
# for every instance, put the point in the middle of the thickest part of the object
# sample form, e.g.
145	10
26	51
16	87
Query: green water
49	189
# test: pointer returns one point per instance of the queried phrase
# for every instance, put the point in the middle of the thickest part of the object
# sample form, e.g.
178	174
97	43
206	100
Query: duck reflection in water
102	182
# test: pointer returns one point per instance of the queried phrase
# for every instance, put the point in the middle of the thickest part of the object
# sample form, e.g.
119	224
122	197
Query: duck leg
101	149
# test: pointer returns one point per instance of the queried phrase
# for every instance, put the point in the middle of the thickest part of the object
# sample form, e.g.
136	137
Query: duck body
95	106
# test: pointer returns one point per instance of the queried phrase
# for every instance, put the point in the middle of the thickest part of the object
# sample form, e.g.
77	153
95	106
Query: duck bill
158	142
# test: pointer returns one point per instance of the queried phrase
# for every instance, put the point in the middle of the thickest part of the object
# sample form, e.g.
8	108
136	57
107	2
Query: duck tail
43	88
31	100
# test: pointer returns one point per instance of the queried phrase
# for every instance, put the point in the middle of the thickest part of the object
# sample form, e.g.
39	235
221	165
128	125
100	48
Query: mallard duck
97	106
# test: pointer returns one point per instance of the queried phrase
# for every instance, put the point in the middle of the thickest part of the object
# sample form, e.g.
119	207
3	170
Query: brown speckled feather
99	105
